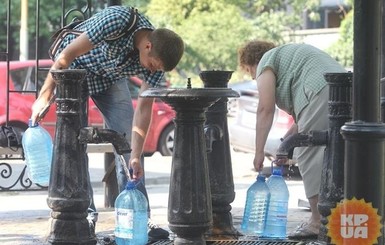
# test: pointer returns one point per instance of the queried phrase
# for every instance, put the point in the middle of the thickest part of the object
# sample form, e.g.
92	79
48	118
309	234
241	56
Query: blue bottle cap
30	123
261	177
131	185
277	171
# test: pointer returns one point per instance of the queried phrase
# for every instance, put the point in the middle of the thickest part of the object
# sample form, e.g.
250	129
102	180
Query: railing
13	170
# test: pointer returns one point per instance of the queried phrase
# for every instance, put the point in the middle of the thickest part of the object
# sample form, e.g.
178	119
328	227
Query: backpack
9	137
59	35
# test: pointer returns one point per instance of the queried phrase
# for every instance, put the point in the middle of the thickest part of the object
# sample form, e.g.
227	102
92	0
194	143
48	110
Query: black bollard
189	209
219	159
332	181
69	187
365	135
382	99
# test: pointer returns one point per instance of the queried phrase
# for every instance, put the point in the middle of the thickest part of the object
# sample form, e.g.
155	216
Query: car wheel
166	141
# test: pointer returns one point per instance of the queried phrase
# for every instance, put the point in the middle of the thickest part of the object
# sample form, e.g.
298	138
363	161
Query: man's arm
79	46
265	115
140	125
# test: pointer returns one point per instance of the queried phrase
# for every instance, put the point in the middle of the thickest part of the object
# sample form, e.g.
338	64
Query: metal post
189	209
111	190
69	187
219	159
382	81
364	136
383	98
367	48
332	181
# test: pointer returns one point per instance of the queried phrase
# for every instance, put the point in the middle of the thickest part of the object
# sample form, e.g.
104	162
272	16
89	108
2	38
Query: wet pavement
24	215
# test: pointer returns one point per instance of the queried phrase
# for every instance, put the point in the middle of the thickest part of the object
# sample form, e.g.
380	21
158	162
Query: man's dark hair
167	46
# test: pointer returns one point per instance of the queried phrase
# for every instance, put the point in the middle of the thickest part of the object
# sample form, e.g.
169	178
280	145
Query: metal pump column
219	158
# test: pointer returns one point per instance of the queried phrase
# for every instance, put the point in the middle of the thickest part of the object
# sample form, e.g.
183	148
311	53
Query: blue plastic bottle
254	216
276	219
131	217
38	147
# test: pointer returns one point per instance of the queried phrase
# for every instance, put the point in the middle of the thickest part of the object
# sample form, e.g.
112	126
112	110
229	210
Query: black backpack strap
128	29
68	27
59	35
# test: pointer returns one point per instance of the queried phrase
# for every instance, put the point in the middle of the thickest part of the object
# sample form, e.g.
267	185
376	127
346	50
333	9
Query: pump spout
213	133
97	136
313	138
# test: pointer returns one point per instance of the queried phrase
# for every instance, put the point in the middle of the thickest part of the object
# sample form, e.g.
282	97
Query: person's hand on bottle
281	160
137	170
37	107
258	161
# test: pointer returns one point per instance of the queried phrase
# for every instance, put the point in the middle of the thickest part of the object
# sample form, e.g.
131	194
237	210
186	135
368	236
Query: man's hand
137	170
37	108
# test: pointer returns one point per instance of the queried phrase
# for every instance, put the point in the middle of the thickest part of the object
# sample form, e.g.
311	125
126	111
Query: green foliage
49	20
342	50
139	4
212	29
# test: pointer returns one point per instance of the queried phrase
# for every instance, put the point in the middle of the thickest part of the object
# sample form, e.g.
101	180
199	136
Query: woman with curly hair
291	77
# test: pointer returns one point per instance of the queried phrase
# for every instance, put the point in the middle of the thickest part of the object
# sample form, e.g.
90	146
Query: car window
41	75
24	78
18	77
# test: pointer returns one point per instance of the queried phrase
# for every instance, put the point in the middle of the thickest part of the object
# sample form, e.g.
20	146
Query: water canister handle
280	168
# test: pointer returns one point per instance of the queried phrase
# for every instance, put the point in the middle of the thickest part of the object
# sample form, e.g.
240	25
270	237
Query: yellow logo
354	222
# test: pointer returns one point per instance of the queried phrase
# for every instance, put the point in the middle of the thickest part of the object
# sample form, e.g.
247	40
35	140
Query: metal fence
13	170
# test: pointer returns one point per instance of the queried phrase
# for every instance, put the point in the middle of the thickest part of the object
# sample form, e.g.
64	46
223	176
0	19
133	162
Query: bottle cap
30	123
277	171
131	184
261	177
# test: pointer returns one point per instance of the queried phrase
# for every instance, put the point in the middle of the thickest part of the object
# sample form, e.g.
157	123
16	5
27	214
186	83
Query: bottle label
124	223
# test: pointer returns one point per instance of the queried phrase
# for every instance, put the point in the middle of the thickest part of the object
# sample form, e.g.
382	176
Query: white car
232	103
242	130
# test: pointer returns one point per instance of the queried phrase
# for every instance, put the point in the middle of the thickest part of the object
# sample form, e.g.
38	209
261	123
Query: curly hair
251	53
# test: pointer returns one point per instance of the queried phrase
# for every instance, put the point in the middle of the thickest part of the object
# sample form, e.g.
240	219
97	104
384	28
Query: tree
214	29
342	50
50	19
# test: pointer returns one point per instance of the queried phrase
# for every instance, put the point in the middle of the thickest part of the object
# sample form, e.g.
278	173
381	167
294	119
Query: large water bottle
254	216
37	147
276	218
131	216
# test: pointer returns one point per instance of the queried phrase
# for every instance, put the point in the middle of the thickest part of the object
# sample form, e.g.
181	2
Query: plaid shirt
299	70
108	61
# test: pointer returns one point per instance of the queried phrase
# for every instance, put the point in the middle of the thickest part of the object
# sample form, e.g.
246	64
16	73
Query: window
18	77
24	78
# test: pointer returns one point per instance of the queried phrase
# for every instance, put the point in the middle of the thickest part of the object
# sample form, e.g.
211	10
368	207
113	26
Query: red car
21	97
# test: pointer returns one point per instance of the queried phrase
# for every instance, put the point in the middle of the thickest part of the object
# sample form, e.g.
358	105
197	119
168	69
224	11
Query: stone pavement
24	214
